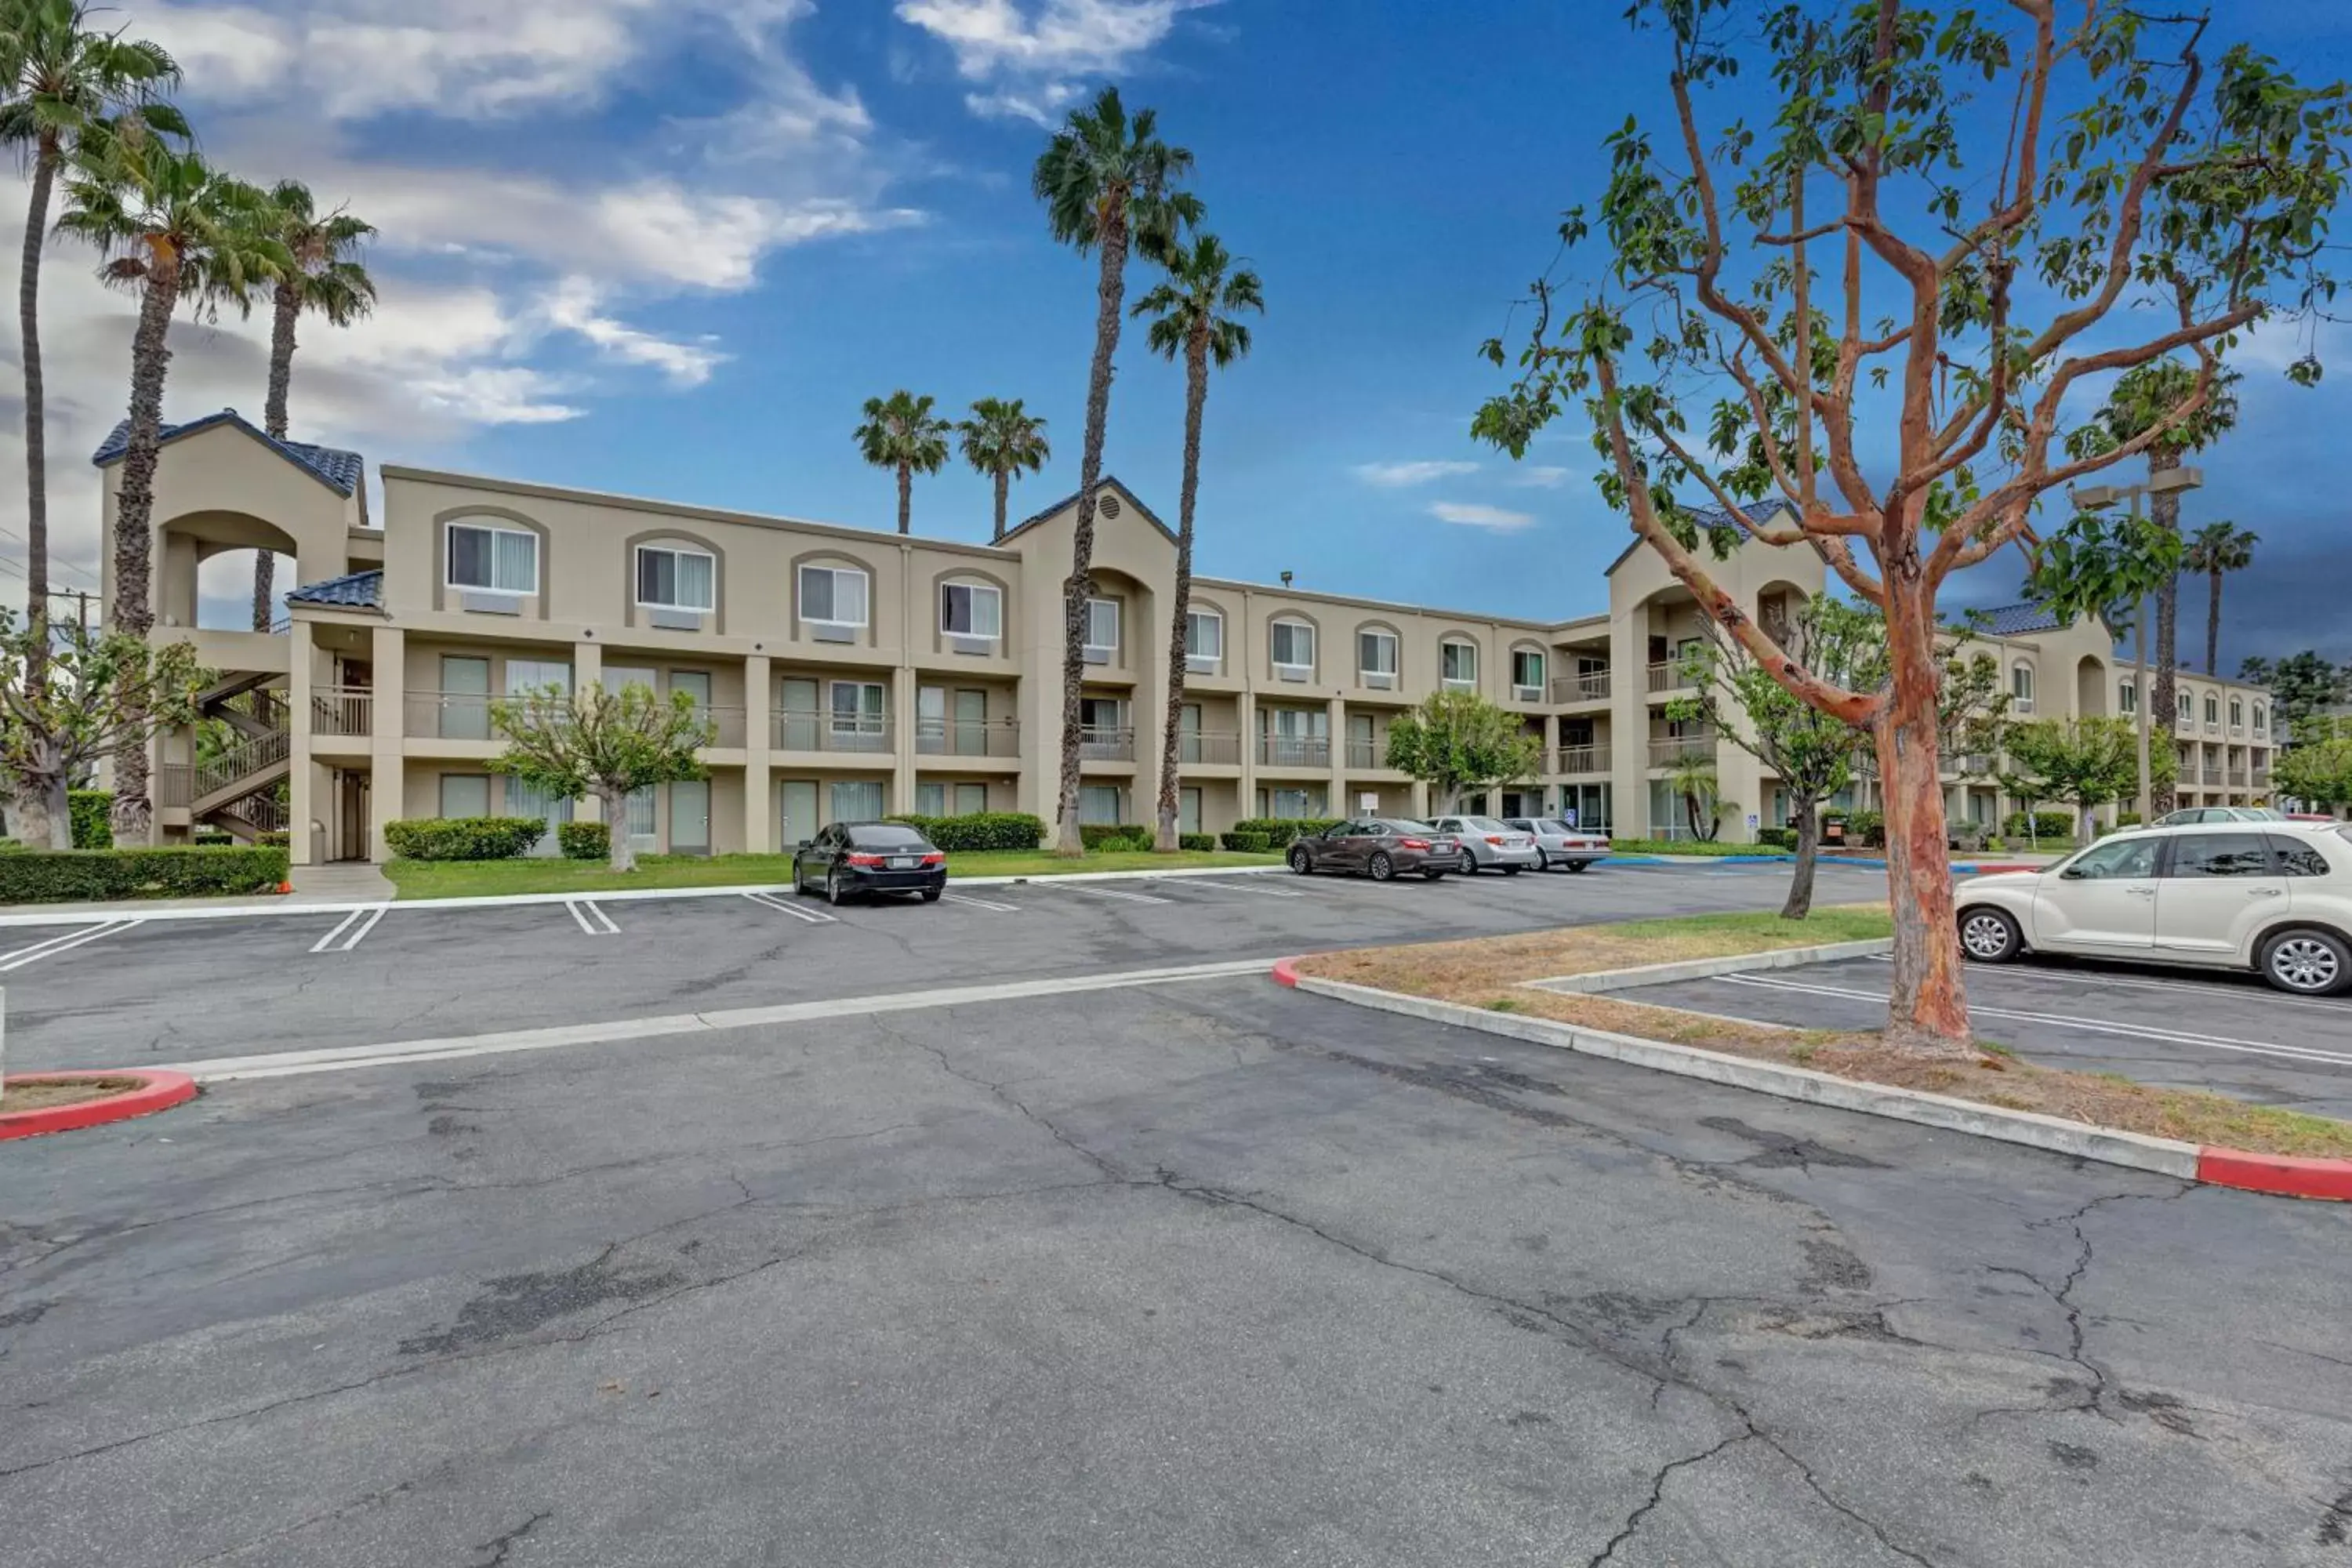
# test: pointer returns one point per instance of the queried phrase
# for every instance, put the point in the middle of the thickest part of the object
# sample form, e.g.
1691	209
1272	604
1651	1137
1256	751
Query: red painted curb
2282	1174
1286	972
158	1091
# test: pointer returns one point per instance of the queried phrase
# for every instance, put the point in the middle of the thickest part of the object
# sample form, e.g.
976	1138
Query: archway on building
205	570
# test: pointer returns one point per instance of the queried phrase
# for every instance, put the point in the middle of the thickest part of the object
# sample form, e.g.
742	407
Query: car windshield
1401	824
1550	826
887	836
1482	824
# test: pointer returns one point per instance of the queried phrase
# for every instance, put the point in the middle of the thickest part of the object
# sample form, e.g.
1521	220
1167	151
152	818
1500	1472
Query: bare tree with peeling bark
1875	308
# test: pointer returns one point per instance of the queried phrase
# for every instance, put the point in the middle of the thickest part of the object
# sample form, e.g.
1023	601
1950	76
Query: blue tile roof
359	591
2018	620
333	467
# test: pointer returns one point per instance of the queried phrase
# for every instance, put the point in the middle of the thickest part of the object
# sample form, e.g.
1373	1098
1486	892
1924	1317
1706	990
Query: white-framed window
1102	627
2237	714
1204	639
857	800
2188	708
833	596
1527	674
857	708
1101	803
2127	697
669	578
1376	658
1292	644
2020	688
1290	803
2212	709
2261	720
971	610
1457	666
487	559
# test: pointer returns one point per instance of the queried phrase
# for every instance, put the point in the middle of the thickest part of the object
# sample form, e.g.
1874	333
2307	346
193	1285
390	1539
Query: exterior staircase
237	791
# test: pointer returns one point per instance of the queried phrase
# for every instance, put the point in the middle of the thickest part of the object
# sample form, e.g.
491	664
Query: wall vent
1106	505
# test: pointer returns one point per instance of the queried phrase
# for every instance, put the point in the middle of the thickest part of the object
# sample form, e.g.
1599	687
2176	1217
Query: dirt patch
49	1093
1488	972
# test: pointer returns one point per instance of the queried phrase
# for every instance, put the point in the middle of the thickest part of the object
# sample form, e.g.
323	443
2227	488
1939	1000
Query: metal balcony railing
449	715
1364	753
1669	677
238	763
1674	748
1099	743
1581	759
1208	746
2261	778
1293	752
342	710
794	731
1592	687
2213	775
728	728
968	737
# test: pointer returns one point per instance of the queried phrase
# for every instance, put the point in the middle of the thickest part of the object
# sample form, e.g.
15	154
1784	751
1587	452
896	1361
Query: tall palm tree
1107	183
173	227
1192	313
900	432
326	279
1004	442
2214	549
60	77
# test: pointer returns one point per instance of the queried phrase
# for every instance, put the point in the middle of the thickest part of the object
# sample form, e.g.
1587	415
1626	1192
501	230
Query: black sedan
850	859
1378	847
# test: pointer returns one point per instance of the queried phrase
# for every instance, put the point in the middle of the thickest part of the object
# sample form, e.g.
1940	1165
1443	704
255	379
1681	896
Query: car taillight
1494	838
935	858
1412	843
862	859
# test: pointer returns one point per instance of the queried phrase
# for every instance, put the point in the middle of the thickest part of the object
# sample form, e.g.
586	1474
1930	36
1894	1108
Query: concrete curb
157	1091
1708	968
2276	1174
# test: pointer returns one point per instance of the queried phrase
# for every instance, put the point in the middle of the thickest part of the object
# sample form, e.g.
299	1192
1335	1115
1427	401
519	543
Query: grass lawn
477	878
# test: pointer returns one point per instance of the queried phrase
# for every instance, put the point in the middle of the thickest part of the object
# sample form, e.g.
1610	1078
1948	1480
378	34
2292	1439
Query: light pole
2099	498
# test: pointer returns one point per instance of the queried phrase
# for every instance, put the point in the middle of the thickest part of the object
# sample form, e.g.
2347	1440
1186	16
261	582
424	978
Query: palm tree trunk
906	498
1003	490
2214	628
1110	289
1196	397
273	420
2164	506
32	796
134	539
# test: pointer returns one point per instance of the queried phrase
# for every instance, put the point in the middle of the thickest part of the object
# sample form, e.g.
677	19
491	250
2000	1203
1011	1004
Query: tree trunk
1196	395
41	823
37	474
1927	1009
906	498
620	855
1110	289
2214	628
2164	507
134	537
1003	488
1809	844
288	306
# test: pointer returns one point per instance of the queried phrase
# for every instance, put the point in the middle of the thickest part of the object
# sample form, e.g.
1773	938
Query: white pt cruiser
2272	897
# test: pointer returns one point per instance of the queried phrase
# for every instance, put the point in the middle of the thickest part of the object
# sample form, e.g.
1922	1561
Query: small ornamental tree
2301	686
89	696
1873	309
2319	772
1459	744
603	743
2085	762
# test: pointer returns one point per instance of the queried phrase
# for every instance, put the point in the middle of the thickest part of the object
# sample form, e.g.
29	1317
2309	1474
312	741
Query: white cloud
1541	477
1469	514
1033	60
1397	476
572	307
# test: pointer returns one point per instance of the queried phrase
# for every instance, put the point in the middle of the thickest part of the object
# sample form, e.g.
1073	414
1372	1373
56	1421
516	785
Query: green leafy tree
902	434
1195	317
2216	550
2086	762
1003	441
1882	268
2094	563
326	279
607	744
1108	183
1459	744
2301	687
1693	779
173	227
2319	772
98	695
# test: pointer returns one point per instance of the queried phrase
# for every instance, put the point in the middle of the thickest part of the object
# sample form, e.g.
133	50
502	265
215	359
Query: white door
2218	889
2103	900
800	812
689	816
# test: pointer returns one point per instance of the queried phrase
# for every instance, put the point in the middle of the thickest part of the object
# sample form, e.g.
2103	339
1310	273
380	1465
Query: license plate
902	862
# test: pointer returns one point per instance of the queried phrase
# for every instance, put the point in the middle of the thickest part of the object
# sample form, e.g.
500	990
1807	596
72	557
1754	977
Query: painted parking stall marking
813	916
2253	991
353	929
1232	885
1108	892
56	944
989	904
592	919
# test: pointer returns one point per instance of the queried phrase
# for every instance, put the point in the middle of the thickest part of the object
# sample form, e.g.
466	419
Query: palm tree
1107	183
900	432
1004	442
2214	549
60	77
1192	313
326	279
1691	776
171	228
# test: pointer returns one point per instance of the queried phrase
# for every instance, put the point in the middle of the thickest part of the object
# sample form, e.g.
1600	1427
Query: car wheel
832	894
1469	865
1431	873
1301	861
931	895
1381	868
1510	870
1578	865
2307	962
800	878
1989	935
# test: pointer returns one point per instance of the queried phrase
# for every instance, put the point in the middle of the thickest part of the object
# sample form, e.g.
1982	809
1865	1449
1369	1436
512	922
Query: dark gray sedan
1379	848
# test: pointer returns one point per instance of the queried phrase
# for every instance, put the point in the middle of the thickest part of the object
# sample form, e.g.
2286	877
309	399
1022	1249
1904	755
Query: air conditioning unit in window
1201	664
1380	679
1527	693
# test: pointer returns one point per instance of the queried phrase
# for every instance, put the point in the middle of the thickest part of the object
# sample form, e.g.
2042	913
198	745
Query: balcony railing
1977	763
2212	775
1581	759
1591	687
1673	749
2261	778
727	725
1364	753
968	737
1208	746
793	729
1669	677
2238	777
1098	743
1294	750
449	715
342	710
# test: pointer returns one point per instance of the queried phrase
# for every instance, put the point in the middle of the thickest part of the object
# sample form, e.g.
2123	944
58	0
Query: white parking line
2066	1021
41	950
1237	886
591	919
813	916
2193	988
981	903
1102	892
336	941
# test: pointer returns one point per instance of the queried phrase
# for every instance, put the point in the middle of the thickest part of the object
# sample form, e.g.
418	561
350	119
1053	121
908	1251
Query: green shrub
51	876
1280	830
1866	827
93	827
212	838
1712	847
275	838
11	846
1202	841
1777	837
979	831
1246	843
1108	837
2058	825
464	837
584	840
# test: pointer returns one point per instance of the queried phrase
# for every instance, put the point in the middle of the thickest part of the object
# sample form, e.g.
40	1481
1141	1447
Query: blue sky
668	248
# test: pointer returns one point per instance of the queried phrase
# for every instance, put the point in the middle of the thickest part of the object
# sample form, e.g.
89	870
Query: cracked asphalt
1205	1273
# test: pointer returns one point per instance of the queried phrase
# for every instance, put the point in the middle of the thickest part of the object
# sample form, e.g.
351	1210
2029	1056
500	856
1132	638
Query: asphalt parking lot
156	992
1198	1273
2181	1028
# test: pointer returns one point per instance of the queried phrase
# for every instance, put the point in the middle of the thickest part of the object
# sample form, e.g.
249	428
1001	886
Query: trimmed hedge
464	837
1114	836
1777	837
584	840
1202	841
978	830
1278	831
1246	843
275	838
93	825
2058	825
50	876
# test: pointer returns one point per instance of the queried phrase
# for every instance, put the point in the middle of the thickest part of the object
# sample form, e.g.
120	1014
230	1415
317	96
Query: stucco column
587	673
387	724
1246	706
902	741
1335	793
1629	722
760	819
305	804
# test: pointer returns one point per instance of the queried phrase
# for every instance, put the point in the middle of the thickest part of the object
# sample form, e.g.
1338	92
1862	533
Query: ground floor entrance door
800	812
689	818
351	840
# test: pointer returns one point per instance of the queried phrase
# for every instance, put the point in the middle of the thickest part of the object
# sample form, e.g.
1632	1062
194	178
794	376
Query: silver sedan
1488	844
1560	844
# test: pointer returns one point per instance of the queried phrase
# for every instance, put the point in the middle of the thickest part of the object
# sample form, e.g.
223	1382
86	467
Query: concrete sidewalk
354	883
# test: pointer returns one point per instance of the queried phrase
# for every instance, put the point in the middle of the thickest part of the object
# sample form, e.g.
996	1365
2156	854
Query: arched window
2021	686
1457	664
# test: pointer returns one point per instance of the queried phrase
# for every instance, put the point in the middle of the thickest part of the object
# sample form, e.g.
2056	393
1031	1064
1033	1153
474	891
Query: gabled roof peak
338	469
